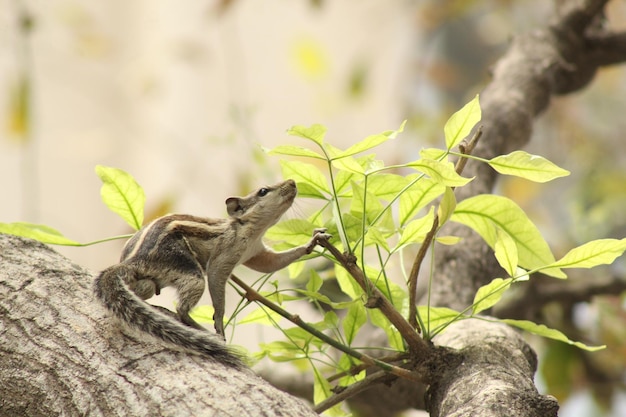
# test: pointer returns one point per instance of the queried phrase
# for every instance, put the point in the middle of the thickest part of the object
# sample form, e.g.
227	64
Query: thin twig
253	295
361	367
352	390
417	346
466	148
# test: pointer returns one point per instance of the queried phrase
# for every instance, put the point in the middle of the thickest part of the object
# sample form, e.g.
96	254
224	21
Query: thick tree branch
540	64
531	297
63	355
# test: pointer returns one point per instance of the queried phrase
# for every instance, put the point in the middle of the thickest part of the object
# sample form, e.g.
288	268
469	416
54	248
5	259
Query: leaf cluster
379	215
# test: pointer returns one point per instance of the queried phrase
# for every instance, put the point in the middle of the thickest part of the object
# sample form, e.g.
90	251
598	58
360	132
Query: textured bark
61	354
496	375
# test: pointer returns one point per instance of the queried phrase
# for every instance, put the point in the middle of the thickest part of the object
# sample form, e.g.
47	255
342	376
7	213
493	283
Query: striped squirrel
178	250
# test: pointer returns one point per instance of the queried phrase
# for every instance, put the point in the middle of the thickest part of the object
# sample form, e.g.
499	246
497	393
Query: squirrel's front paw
318	236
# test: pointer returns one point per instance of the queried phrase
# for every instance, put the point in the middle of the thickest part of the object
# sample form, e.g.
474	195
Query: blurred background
183	95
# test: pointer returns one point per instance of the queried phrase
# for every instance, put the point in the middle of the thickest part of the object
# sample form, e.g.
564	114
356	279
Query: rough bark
61	354
496	375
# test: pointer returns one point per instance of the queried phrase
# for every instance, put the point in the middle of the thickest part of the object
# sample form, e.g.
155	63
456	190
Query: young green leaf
295	232
386	186
524	165
442	172
122	195
416	230
461	123
446	206
362	200
591	254
315	133
203	314
371	142
262	316
485	213
417	197
315	282
349	164
303	173
375	237
291	150
488	295
435	318
393	335
506	251
322	391
352	322
38	232
542	330
280	351
435	154
347	284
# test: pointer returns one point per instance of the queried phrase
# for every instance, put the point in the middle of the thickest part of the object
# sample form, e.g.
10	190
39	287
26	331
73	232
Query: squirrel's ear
233	206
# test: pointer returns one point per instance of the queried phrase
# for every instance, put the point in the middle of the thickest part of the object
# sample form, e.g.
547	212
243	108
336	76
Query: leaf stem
252	295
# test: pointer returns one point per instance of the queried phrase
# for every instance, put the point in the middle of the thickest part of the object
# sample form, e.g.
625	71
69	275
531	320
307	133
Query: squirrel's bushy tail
111	290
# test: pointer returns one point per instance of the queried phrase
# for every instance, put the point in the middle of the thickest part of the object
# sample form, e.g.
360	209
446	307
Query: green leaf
371	142
342	180
362	200
315	133
346	283
591	254
38	232
295	232
308	191
352	322
386	186
506	251
448	240
488	295
435	318
315	282
446	206
262	316
203	314
524	165
321	387
280	351
461	123
375	237
416	230
486	213
417	197
348	164
305	174
435	154
542	330
291	150
442	172
122	195
393	335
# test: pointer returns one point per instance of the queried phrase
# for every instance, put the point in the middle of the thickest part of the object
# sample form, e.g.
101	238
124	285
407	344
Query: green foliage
380	217
121	193
38	232
494	217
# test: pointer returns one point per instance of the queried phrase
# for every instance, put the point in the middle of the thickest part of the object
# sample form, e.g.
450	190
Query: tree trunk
62	354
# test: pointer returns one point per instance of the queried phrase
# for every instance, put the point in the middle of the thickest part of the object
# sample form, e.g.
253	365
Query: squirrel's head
265	205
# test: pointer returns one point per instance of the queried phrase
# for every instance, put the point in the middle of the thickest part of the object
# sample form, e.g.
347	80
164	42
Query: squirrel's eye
263	192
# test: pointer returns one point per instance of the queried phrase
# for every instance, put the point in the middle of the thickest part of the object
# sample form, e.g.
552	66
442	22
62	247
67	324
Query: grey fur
180	250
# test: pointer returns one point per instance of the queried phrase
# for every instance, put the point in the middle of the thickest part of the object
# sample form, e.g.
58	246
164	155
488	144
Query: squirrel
178	250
